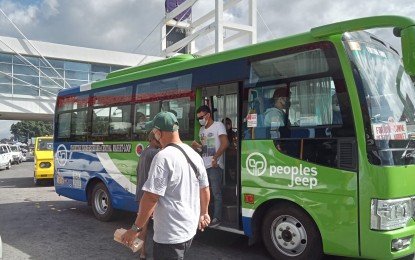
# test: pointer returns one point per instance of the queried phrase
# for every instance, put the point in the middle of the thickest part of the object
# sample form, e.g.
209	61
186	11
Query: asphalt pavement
36	223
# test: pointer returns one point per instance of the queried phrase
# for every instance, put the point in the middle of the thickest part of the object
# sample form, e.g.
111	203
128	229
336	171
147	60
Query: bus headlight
390	214
44	165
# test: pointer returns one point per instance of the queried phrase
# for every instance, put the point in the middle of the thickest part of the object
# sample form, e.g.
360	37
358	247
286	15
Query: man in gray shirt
143	168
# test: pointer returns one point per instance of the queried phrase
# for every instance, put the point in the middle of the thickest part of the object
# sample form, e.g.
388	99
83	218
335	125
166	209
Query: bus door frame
230	212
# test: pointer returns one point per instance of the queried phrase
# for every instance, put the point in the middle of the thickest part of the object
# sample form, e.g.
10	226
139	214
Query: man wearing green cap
178	194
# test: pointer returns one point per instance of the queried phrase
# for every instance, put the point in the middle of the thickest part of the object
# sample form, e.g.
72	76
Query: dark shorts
170	251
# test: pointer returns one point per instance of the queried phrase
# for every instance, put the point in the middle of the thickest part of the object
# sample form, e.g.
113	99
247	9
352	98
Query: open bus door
223	100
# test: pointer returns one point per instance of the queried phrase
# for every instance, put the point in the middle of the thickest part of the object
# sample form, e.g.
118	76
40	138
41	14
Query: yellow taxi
43	156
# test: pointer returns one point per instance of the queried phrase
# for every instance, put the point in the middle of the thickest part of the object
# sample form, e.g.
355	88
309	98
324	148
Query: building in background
23	71
32	73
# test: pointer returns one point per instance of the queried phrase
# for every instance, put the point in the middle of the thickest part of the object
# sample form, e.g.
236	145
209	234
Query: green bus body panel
384	183
150	65
375	181
362	24
333	197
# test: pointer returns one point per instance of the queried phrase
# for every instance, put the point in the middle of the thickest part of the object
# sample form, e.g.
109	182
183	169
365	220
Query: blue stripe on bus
69	91
247	224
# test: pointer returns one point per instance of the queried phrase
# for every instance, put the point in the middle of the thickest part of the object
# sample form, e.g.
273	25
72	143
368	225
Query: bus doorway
223	101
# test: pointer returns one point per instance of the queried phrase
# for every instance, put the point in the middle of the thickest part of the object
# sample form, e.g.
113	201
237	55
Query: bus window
100	123
120	125
141	116
79	125
304	118
183	109
64	126
111	123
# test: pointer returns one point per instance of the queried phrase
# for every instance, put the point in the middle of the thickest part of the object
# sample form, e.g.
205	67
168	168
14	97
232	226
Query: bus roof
405	27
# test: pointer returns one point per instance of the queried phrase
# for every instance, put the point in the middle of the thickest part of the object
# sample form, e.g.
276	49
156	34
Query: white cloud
122	24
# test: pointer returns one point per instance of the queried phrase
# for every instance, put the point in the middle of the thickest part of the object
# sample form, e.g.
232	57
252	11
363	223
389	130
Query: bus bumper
389	245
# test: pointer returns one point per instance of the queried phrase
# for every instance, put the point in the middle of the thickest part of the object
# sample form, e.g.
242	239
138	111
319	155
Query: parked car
6	158
16	154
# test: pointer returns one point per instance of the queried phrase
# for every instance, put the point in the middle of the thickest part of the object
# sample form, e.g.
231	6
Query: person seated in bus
276	115
140	121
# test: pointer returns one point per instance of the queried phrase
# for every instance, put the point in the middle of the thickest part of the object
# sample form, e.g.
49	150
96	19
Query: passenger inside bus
276	115
230	154
140	121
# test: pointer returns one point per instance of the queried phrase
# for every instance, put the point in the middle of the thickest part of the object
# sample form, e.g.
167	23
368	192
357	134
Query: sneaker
215	222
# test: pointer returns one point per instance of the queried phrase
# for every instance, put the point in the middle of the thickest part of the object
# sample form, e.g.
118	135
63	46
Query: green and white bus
330	179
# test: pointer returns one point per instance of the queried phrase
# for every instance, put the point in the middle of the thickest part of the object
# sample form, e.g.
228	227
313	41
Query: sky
132	25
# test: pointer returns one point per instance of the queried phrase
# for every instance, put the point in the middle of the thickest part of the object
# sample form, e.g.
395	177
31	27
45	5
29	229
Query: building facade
32	73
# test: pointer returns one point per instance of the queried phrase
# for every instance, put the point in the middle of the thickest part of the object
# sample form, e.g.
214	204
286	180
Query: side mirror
408	49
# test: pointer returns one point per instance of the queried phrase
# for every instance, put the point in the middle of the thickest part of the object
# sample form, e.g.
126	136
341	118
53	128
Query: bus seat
261	132
300	133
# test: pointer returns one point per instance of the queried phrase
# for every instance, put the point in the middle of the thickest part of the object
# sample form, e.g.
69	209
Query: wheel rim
288	235
101	202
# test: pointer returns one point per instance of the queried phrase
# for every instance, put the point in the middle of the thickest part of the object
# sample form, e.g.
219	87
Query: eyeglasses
201	117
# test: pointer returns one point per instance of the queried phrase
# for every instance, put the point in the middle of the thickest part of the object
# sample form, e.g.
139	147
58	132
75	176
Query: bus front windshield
387	99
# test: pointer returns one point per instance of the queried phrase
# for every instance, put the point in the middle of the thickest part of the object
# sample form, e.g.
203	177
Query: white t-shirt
211	142
177	213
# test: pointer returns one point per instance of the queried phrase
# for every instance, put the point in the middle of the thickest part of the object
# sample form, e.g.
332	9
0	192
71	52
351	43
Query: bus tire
101	203
288	232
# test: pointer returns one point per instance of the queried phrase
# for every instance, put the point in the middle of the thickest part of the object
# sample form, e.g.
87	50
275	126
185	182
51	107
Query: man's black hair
203	108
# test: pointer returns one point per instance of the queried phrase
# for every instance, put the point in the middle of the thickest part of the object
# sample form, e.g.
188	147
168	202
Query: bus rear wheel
101	203
289	233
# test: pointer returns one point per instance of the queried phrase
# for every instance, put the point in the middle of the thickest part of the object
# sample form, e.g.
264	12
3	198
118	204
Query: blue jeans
215	182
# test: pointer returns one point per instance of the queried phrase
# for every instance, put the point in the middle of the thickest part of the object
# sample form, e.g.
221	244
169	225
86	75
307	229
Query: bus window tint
64	125
100	122
120	125
79	125
113	96
141	116
311	102
181	109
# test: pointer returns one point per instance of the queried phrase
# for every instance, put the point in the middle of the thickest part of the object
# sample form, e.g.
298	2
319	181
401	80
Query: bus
310	186
44	160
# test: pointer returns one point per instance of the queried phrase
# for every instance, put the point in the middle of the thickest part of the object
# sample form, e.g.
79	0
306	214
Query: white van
16	154
6	157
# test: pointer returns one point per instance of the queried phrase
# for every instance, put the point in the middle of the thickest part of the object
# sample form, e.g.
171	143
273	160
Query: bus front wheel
101	203
289	233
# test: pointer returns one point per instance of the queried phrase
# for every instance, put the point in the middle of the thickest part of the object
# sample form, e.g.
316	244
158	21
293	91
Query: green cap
163	121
